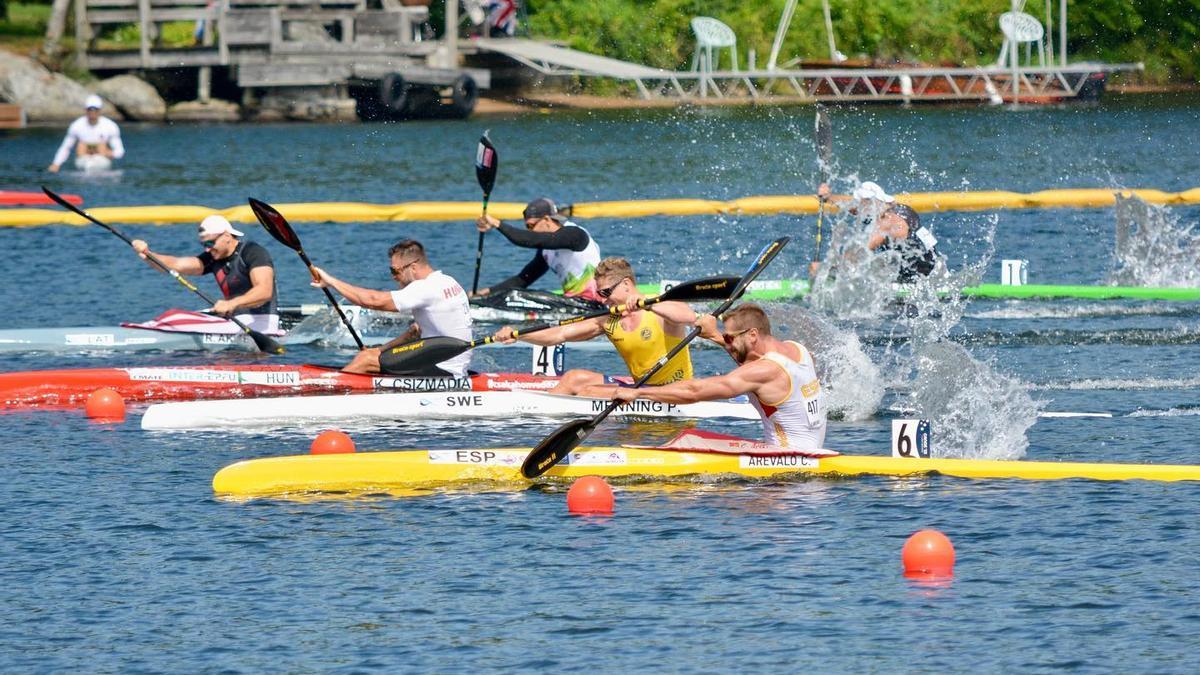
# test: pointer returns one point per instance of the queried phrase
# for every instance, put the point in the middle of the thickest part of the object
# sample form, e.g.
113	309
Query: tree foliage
1164	34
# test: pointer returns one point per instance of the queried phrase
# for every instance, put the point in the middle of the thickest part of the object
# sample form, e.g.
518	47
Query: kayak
386	407
92	163
370	472
14	198
55	388
117	338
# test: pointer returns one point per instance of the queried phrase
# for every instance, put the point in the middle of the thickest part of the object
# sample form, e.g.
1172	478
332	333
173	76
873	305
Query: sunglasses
730	337
397	270
209	243
607	292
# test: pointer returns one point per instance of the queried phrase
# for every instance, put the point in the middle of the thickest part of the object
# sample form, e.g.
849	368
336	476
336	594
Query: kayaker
92	134
641	336
562	246
438	304
897	227
778	377
243	270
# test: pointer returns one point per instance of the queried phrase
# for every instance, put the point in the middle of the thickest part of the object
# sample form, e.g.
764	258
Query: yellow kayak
409	469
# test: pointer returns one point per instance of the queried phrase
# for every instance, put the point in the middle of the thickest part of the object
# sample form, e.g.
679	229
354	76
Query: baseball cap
542	207
93	101
215	224
870	190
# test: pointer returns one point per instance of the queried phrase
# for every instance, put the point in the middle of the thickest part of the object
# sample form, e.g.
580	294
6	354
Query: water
117	557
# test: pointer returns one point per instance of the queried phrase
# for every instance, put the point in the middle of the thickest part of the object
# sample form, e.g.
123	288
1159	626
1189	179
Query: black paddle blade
265	344
274	222
823	135
417	356
710	288
486	164
555	447
58	199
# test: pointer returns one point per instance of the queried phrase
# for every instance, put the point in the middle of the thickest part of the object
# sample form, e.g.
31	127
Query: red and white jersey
439	305
798	420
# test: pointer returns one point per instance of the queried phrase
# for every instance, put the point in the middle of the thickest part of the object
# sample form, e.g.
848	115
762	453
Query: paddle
823	138
568	436
486	164
407	358
263	342
274	222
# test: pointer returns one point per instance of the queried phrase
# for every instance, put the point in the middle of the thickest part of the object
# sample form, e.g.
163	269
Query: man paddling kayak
562	246
243	269
641	336
897	227
778	377
438	304
92	134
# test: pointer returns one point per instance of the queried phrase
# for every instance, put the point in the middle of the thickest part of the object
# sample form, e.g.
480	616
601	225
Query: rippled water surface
116	557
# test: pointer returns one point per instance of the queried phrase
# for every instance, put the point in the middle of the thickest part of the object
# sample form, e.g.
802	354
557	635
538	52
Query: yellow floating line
467	211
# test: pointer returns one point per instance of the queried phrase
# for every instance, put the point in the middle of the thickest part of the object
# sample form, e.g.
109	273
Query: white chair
1018	28
712	36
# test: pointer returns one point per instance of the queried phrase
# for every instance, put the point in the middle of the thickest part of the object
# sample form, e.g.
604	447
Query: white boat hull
288	411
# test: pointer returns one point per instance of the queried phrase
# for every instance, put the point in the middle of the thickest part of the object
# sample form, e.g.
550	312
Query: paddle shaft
263	342
279	228
332	300
824	142
479	250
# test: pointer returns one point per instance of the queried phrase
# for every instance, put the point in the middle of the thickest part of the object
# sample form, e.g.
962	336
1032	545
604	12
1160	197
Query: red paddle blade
486	164
274	222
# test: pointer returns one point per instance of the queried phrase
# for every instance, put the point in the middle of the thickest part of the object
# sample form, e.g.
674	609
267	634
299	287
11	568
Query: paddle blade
417	356
265	344
710	288
59	199
555	447
486	164
823	135
274	222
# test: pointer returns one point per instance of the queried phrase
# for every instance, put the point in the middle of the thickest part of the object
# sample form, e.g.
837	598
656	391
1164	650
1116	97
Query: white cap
93	101
215	224
869	190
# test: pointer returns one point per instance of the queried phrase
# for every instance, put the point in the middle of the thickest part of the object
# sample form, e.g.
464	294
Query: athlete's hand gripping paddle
261	341
274	222
567	437
419	354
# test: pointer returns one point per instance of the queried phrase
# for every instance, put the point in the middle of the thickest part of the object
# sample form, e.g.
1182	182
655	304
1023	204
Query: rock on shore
134	97
45	96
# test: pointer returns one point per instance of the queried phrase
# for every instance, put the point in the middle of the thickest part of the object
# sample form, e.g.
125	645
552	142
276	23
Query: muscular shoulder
256	255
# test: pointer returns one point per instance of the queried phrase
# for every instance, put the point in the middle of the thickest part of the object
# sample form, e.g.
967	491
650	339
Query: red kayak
11	198
63	388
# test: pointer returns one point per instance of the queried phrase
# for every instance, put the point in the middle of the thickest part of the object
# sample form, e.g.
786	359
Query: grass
25	20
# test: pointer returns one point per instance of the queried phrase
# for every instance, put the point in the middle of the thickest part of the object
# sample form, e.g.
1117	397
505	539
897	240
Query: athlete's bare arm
572	332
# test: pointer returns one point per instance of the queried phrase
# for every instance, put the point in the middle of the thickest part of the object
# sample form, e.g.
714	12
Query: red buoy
105	405
590	494
928	554
332	442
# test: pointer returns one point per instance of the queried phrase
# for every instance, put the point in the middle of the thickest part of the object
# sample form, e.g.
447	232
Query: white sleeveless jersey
575	269
798	421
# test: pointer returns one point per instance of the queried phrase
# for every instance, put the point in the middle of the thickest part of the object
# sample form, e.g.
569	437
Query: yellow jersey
646	344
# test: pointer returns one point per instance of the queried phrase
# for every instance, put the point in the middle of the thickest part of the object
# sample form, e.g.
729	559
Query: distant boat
15	198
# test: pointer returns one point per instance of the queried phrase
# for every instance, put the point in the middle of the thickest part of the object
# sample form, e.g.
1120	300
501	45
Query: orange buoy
332	442
105	405
590	494
928	554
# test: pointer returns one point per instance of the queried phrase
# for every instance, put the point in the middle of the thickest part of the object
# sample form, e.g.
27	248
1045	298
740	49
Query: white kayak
93	163
288	411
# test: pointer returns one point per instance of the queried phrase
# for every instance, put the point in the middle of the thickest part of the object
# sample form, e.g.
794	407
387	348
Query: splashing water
975	411
1153	248
852	383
